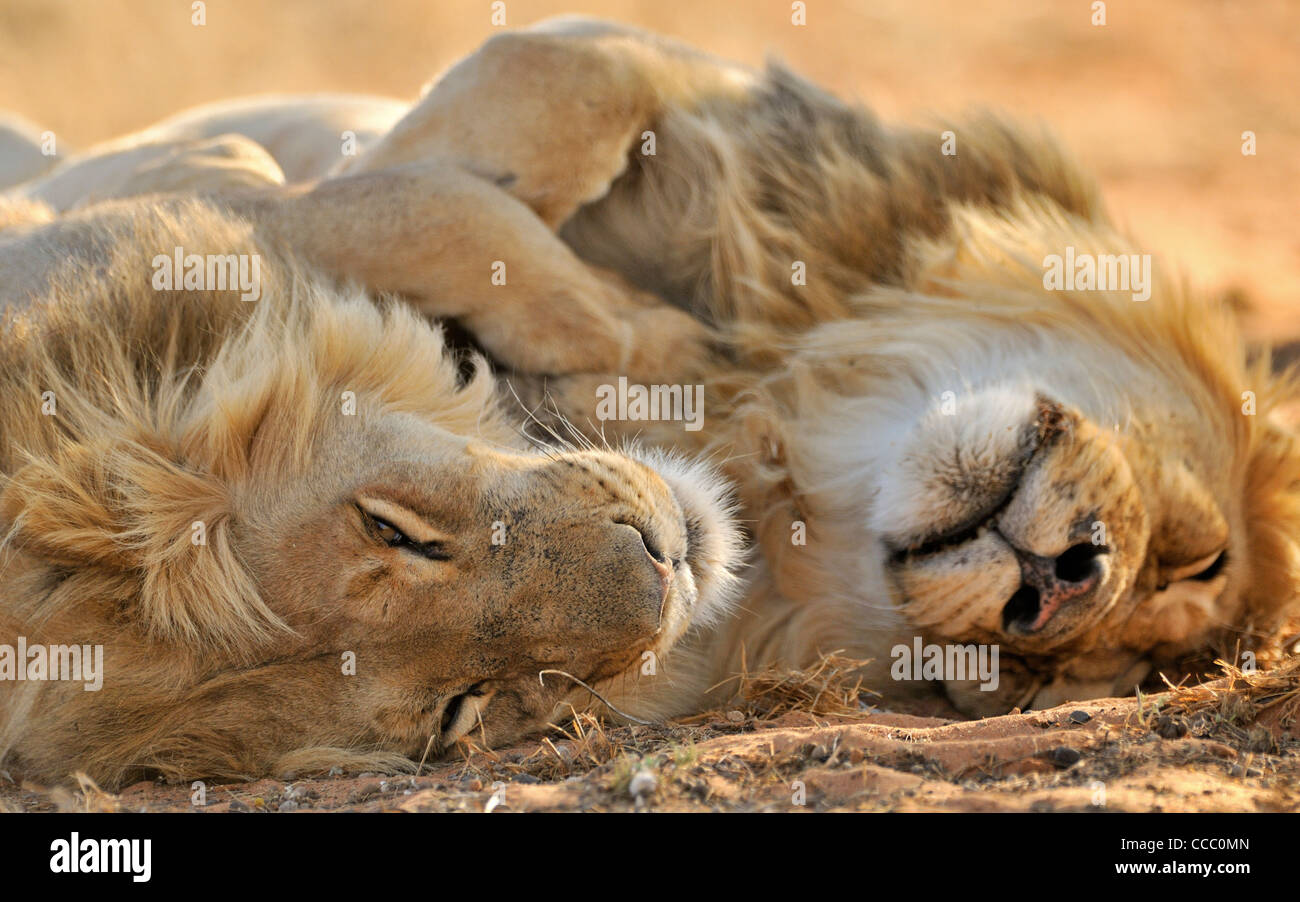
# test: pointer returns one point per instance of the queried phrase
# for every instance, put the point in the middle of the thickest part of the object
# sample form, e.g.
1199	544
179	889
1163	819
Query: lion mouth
1016	554
460	713
705	589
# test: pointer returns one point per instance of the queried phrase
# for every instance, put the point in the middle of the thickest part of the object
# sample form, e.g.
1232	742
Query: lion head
1095	485
300	531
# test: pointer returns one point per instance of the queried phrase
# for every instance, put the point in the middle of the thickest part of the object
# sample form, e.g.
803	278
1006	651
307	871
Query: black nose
1046	584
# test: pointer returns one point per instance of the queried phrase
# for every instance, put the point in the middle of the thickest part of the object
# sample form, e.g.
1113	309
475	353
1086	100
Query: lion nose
1049	583
663	566
644	569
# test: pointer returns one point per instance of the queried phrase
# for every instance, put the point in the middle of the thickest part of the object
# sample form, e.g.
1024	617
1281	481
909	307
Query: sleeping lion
267	528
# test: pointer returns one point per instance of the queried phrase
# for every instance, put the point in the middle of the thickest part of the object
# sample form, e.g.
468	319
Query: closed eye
1213	570
382	525
1203	570
395	538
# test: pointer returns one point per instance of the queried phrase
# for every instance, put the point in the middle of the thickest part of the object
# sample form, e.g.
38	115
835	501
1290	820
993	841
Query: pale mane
167	400
974	290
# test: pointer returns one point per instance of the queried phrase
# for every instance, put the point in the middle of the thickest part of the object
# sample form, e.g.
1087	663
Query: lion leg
551	113
456	246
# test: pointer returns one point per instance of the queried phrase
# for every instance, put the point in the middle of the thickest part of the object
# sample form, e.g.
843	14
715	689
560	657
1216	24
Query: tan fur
250	141
132	167
448	240
310	136
225	657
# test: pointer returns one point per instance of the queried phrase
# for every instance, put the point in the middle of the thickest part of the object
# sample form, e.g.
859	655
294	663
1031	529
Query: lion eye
391	535
1213	570
1204	570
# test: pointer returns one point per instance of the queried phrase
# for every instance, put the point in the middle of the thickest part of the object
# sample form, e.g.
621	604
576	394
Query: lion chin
299	532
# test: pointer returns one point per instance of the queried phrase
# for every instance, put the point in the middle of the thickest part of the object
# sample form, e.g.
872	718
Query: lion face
304	534
1093	487
414	584
455	572
1075	549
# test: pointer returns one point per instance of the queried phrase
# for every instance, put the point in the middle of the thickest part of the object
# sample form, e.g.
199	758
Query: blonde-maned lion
298	531
939	436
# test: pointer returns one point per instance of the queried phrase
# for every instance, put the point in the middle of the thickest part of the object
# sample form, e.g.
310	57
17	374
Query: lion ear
129	509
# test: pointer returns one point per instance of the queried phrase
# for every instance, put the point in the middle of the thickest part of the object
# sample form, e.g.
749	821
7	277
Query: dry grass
87	797
831	686
1242	696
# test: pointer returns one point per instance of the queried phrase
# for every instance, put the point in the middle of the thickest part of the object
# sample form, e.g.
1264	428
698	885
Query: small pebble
1170	728
1080	717
643	783
736	716
1064	756
288	805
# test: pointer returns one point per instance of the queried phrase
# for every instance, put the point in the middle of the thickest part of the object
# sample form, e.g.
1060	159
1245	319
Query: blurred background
1154	102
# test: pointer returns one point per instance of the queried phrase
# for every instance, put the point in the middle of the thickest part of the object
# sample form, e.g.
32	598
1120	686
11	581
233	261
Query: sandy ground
1154	102
1228	747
